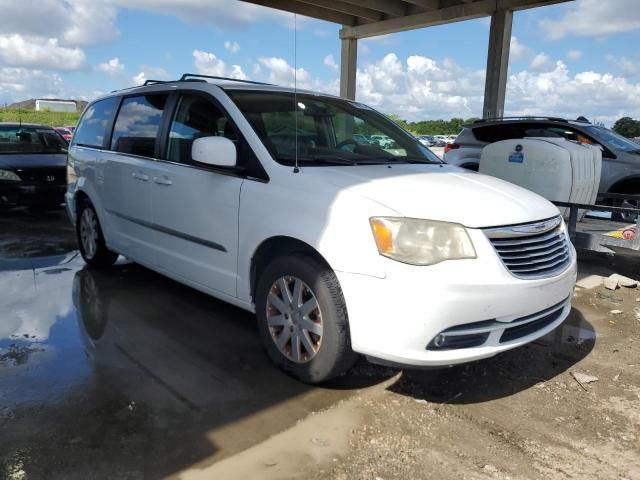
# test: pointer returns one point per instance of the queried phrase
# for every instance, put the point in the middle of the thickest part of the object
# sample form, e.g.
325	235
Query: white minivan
264	197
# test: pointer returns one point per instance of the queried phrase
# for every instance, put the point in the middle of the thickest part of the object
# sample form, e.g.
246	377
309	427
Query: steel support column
497	64
348	67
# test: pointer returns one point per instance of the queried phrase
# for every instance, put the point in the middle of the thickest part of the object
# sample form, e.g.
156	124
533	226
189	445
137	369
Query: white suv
262	196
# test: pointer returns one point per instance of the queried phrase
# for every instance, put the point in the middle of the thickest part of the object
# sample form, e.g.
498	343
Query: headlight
421	242
9	176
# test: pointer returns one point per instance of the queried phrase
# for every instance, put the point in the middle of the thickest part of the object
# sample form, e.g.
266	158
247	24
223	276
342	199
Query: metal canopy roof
367	18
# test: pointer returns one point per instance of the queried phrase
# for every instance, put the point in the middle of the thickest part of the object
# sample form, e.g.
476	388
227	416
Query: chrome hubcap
294	319
89	232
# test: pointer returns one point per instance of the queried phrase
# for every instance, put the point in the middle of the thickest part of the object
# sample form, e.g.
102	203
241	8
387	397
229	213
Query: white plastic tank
555	168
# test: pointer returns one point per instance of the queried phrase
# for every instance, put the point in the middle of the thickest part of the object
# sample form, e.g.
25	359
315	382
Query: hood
440	192
33	160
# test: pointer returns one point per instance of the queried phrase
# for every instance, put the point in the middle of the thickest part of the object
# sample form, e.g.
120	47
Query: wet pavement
122	373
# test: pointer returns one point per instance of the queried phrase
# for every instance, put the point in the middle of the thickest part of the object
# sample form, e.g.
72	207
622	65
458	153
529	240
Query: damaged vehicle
260	196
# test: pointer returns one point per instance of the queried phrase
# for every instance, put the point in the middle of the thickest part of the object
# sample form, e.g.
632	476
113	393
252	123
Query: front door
195	209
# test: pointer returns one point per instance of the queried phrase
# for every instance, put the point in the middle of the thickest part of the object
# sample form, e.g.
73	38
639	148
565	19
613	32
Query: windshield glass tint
323	130
16	139
613	140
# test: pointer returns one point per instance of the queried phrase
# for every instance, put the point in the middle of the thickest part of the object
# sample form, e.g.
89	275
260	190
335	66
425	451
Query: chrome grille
533	250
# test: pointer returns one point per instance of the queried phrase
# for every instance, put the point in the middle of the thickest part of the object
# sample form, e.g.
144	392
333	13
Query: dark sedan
33	163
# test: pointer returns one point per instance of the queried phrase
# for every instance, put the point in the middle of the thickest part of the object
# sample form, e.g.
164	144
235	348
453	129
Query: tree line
626	126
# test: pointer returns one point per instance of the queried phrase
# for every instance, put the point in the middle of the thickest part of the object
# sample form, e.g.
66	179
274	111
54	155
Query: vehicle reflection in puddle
574	330
117	365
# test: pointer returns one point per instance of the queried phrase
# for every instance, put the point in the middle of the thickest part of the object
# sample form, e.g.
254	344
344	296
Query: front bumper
31	195
397	317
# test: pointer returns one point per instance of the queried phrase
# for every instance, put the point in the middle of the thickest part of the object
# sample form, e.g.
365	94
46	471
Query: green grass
54	119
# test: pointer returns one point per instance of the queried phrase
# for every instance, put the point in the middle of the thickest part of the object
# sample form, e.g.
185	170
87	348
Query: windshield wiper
329	160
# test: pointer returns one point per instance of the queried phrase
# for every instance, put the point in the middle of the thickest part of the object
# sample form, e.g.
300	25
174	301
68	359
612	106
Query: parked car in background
382	140
260	196
64	132
620	156
71	128
440	140
362	139
33	161
426	140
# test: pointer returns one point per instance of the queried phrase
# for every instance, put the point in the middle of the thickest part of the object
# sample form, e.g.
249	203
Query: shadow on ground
507	373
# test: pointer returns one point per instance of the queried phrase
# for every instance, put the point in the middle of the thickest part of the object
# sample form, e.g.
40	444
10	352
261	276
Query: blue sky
578	58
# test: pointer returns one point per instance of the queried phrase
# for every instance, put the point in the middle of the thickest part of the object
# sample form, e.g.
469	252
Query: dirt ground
525	414
125	374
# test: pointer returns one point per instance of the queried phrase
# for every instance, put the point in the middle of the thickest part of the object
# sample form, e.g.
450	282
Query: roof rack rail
497	119
195	76
153	82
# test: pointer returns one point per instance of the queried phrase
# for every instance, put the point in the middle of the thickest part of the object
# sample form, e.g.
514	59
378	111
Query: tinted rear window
138	124
95	123
510	131
24	140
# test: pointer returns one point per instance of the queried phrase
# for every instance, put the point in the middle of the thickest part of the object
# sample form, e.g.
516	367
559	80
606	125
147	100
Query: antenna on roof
296	169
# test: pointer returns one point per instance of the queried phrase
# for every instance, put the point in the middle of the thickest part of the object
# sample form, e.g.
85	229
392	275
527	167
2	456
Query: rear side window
138	124
95	123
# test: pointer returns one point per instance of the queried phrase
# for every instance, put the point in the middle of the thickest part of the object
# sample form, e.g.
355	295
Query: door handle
164	180
140	176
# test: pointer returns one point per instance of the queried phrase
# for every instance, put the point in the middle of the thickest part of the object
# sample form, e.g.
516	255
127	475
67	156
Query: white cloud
330	62
233	47
207	63
627	67
219	13
421	87
574	54
149	72
112	68
279	72
90	22
593	18
19	51
557	92
541	62
72	22
20	83
517	50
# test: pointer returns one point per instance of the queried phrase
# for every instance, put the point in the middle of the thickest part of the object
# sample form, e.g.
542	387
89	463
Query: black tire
102	257
334	355
628	218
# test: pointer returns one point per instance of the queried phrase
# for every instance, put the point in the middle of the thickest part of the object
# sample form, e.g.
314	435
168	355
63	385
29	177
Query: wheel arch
626	185
273	247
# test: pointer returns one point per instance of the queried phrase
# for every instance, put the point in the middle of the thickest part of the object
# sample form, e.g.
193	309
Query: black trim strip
170	231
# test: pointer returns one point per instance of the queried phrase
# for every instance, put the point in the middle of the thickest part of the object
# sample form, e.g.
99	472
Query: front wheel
302	319
90	238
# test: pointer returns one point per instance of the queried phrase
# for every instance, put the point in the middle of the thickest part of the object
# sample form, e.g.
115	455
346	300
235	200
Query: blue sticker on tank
517	157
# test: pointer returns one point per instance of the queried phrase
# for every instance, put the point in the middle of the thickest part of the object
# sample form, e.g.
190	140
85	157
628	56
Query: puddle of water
124	365
574	330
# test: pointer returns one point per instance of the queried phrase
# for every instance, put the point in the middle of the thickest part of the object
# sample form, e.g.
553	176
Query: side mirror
215	151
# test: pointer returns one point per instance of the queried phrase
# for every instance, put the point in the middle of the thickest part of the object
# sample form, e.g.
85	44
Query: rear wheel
625	217
90	238
302	319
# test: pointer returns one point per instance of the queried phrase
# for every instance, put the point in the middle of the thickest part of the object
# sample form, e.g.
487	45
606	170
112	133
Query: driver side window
195	117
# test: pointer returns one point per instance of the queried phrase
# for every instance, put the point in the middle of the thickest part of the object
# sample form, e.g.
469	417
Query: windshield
613	140
322	130
16	139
